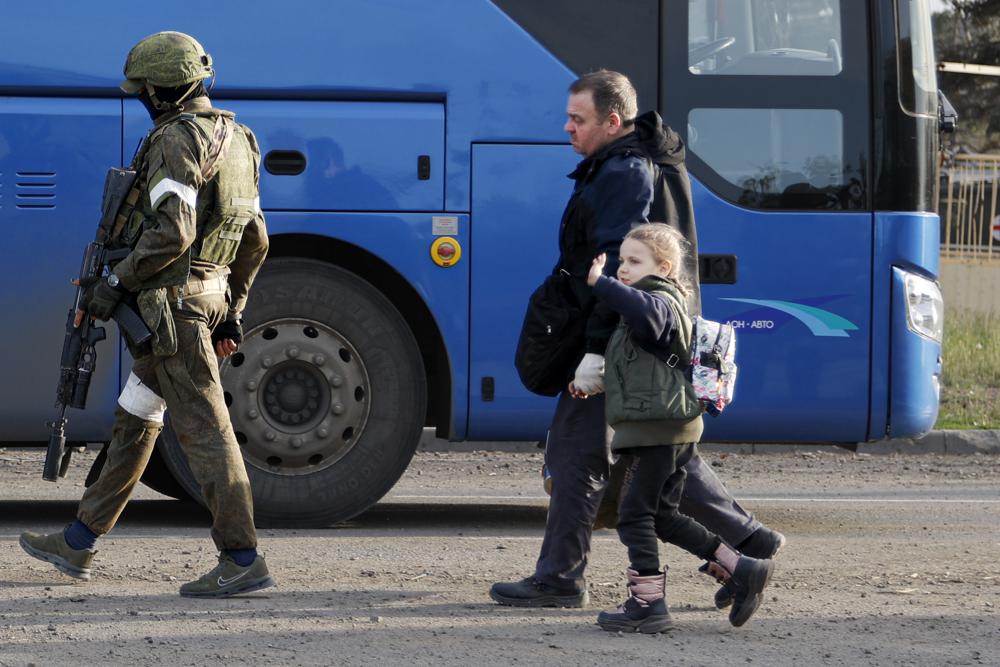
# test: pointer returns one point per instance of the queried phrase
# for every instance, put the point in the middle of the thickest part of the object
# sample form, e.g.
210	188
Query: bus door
772	97
518	195
54	154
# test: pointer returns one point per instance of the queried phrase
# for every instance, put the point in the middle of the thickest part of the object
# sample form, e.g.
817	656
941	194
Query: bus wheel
159	476
327	395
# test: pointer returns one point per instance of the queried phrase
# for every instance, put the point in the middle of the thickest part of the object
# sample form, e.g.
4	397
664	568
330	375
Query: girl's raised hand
596	269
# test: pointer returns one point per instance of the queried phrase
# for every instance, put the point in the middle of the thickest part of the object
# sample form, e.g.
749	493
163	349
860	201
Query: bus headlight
924	307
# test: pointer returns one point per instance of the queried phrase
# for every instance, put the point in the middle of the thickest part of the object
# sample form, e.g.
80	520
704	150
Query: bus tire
327	395
160	477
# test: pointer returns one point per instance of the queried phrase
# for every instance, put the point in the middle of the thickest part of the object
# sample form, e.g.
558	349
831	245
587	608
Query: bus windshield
917	74
765	37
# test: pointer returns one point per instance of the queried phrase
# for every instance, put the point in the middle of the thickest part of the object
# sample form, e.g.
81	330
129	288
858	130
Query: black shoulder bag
551	337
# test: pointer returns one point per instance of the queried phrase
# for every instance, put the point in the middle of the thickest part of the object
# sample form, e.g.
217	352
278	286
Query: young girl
657	421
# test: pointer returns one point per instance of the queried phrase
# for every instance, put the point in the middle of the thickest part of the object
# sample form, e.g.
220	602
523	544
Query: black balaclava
168	98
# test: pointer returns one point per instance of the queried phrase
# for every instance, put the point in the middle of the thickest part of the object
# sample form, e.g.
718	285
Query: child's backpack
712	367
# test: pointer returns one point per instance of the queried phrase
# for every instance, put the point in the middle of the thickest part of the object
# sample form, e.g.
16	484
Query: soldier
197	239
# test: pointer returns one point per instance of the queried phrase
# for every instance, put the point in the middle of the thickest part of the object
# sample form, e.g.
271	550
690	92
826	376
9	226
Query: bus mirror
947	116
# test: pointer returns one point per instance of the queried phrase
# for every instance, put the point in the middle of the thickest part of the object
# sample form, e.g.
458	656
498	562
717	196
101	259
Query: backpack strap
676	355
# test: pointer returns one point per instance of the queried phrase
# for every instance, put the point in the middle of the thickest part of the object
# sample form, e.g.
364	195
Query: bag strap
222	134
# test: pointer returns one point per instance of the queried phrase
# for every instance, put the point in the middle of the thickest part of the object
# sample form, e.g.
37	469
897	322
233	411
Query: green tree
969	32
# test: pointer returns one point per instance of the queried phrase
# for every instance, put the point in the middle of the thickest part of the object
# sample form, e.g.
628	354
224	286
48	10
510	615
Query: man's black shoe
533	593
762	543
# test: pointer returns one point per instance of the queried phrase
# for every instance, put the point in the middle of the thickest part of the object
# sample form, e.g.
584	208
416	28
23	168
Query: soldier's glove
228	329
589	377
100	299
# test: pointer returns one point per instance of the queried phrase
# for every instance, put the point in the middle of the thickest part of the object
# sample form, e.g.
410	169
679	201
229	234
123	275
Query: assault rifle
79	352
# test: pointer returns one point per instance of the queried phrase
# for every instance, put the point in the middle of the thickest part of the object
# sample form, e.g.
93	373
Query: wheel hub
294	394
298	395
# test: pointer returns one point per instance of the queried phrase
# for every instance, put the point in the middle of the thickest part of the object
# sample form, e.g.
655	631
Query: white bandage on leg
139	400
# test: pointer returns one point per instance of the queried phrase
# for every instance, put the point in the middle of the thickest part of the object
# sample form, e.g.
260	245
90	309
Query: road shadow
380	626
441	516
22	514
152	513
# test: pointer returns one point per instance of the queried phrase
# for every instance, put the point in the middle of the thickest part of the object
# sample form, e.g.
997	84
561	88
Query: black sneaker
762	543
531	592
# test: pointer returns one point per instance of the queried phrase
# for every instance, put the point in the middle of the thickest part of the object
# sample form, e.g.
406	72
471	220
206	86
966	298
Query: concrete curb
953	442
941	442
936	442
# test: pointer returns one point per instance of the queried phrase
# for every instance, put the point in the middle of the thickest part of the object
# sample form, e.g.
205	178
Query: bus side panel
518	194
403	241
53	157
803	319
357	156
467	52
906	363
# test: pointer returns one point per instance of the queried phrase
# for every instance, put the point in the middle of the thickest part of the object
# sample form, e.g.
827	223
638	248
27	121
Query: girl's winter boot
746	577
644	611
762	543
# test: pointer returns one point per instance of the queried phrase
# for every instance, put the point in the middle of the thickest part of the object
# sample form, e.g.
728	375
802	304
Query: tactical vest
225	204
223	217
646	386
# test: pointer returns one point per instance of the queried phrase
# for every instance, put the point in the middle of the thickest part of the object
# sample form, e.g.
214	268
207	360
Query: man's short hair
612	92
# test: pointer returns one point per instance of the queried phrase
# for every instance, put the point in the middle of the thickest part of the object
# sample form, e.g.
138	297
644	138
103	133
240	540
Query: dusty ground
890	561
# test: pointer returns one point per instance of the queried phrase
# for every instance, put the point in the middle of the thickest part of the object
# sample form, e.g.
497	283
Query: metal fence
967	202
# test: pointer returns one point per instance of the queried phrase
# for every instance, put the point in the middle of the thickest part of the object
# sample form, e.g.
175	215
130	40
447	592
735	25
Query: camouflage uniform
198	240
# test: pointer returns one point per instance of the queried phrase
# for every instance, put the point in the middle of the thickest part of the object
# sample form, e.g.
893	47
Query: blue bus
414	174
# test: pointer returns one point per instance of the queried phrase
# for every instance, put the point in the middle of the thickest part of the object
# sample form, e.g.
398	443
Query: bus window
795	155
765	37
917	74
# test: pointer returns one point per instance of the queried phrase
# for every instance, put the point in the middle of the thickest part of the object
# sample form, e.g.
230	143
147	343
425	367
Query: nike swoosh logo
226	582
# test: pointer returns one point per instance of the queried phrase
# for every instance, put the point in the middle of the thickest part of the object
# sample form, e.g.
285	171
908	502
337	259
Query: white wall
971	285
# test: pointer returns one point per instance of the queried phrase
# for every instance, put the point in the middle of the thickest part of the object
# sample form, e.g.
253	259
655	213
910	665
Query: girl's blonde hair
667	245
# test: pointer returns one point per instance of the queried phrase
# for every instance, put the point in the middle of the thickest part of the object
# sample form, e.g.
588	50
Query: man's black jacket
638	178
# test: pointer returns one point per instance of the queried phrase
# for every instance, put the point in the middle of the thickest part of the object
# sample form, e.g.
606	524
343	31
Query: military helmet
166	59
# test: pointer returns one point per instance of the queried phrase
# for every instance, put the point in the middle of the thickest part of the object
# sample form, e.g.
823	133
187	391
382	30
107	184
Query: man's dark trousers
578	457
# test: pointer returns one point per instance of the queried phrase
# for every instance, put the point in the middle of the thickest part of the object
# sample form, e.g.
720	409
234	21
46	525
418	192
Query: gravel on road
890	560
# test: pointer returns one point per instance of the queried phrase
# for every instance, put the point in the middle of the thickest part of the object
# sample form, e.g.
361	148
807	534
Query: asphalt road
890	560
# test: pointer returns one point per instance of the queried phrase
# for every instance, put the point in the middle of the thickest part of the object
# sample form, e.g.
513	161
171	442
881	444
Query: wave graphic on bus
820	322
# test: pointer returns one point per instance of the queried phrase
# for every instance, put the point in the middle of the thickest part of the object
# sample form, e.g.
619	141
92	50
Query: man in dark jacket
632	172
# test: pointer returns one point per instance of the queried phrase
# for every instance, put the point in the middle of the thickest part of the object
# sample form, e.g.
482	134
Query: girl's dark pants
649	507
578	456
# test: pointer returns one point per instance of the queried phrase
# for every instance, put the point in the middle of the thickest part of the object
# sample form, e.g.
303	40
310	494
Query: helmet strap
180	101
